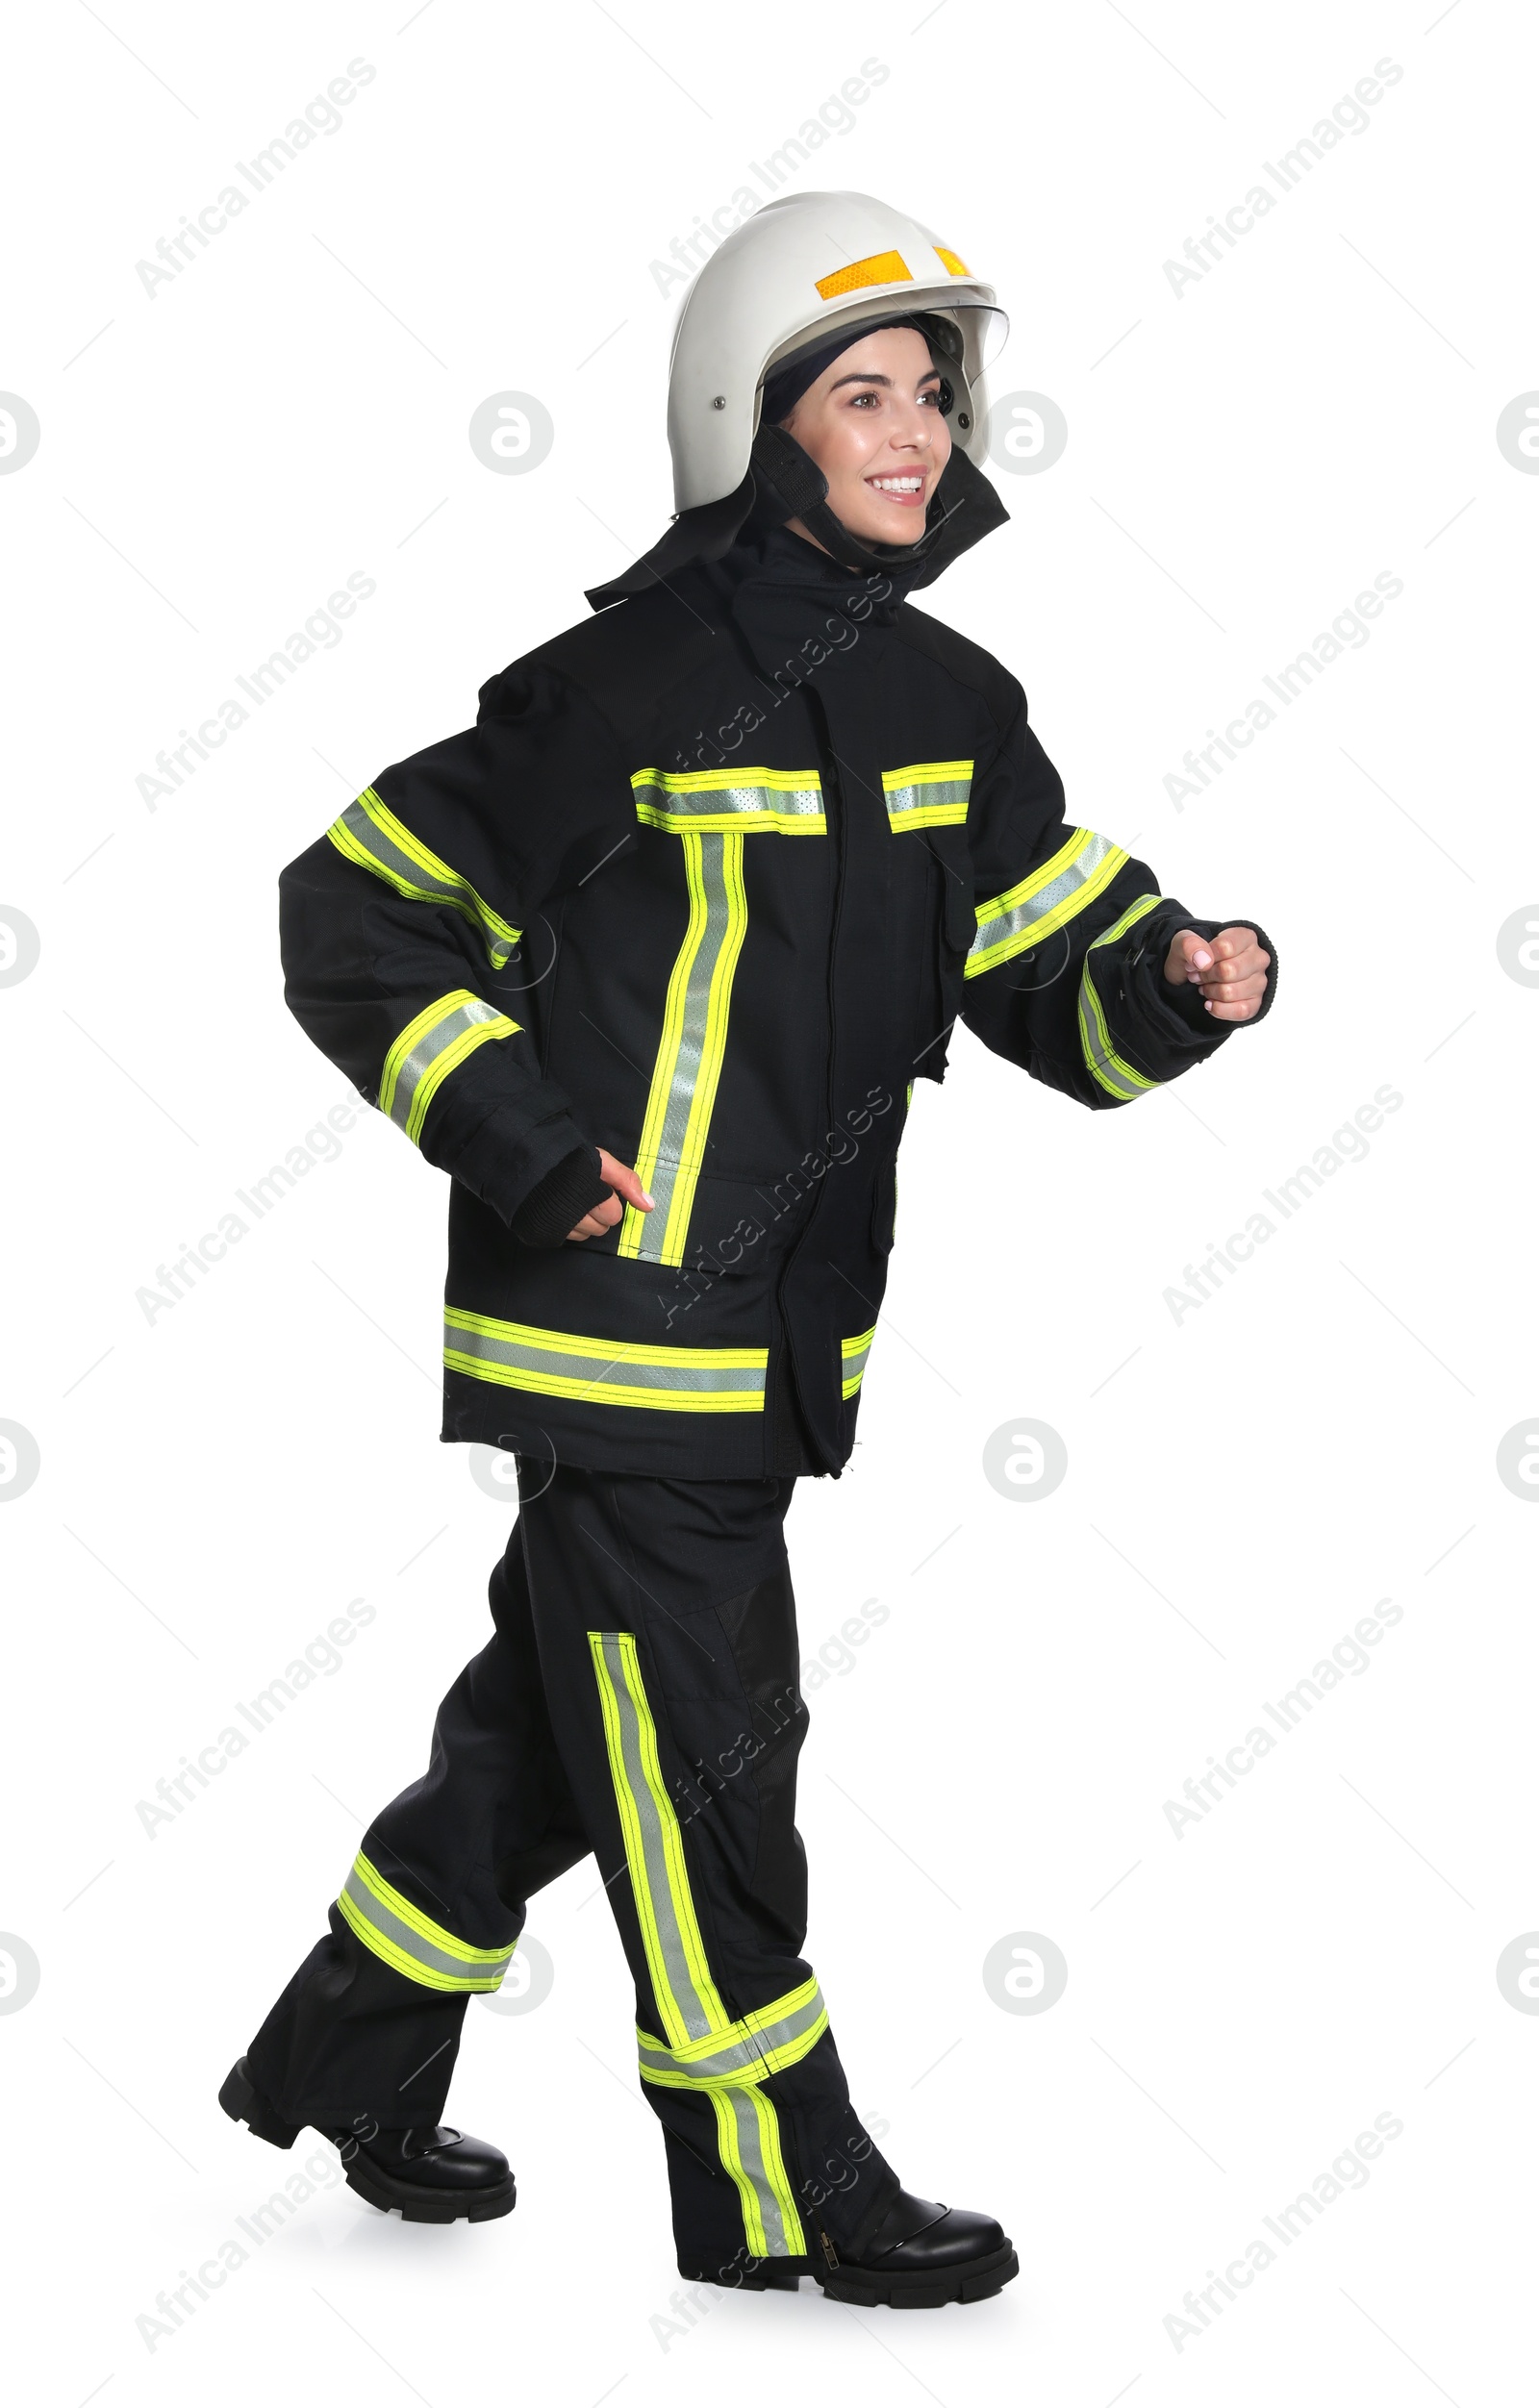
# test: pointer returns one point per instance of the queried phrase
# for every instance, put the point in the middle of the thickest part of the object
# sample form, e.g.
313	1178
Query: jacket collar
742	536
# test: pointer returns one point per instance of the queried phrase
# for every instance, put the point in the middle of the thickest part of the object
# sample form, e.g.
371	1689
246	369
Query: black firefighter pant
639	1702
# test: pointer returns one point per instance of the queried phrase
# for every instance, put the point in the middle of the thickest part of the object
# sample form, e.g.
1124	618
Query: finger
1221	982
1250	962
1237	990
624	1180
1234	1011
1186	955
1232	940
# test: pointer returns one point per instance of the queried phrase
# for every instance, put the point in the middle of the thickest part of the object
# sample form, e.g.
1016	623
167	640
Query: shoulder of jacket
961	658
619	659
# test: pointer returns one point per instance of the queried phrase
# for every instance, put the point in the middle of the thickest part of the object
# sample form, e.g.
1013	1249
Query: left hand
1230	969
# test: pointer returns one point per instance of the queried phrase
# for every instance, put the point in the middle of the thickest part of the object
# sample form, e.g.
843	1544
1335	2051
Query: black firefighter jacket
707	883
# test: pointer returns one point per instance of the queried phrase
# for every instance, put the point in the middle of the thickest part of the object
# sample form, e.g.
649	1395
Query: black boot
921	2255
432	2174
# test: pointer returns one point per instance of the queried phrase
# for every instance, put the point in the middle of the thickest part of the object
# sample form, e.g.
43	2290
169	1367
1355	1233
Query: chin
883	526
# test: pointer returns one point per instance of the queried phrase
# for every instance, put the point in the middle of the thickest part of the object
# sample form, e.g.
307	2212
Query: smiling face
872	424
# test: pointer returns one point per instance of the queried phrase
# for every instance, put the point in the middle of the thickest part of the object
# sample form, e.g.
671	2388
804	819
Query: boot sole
859	2287
243	2103
421	2206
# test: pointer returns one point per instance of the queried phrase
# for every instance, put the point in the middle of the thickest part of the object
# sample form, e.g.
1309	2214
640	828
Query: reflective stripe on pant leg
748	2136
403	1937
688	2001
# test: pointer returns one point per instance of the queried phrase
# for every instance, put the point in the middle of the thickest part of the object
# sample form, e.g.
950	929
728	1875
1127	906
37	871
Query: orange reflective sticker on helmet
883	268
949	261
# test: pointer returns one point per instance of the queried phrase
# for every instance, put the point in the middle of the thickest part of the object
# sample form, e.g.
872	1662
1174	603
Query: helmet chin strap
796	486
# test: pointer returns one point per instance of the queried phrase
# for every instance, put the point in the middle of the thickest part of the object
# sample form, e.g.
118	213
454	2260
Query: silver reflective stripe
853	1352
440	1966
1031	910
1118	1077
794	797
767	2044
603	1371
646	1848
429	1048
928	801
368	833
745	2114
689	1062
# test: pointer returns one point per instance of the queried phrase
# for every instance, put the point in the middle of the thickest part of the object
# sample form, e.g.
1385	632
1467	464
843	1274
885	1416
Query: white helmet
802	267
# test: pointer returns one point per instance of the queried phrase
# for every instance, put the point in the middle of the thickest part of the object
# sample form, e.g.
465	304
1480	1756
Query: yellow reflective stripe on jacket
370	834
688	2000
1118	1077
786	802
1078	871
927	794
604	1371
687	1068
754	2048
853	1352
429	1048
403	1937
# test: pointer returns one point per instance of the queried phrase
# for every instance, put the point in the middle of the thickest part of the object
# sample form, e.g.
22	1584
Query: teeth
897	485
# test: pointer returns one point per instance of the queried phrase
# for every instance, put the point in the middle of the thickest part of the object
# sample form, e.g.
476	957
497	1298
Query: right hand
628	1190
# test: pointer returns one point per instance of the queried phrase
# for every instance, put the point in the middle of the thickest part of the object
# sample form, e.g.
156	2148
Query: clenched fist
1230	969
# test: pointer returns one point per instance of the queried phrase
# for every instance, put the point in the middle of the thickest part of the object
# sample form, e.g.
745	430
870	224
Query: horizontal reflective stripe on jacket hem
557	1363
750	2051
1118	1077
786	802
927	793
852	1354
370	834
429	1048
1075	874
410	1941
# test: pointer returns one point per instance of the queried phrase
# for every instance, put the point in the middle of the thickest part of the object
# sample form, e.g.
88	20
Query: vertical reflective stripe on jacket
704	2049
689	1058
370	834
1053	893
927	794
429	1048
711	811
853	1352
1118	1077
403	1937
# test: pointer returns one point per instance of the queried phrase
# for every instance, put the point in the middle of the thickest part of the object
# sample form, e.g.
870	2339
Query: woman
649	960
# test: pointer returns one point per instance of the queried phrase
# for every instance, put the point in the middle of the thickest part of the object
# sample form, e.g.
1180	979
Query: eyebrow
875	378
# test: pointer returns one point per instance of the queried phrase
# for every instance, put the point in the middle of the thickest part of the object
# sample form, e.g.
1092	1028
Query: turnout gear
805	268
708	885
433	2173
640	1700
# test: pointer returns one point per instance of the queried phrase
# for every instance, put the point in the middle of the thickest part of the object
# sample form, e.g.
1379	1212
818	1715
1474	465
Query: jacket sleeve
400	929
1065	973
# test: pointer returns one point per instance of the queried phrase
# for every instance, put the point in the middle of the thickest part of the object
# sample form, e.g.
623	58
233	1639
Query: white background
1244	1483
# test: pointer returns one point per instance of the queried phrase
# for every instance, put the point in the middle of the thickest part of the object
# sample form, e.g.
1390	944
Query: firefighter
649	960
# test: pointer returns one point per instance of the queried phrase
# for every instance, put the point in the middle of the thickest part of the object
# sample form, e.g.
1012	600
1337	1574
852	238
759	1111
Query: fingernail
647	1200
1201	960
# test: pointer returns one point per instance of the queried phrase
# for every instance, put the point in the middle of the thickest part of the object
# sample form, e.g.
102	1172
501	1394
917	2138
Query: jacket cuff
560	1199
1176	1014
508	1154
